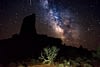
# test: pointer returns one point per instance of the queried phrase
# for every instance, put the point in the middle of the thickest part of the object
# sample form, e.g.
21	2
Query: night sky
76	22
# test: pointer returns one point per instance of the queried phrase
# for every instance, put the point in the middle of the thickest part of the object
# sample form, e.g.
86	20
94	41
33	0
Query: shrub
97	53
49	54
66	63
60	65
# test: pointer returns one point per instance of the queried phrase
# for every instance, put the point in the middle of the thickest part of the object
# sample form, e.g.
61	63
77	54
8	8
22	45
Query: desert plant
87	65
74	63
97	53
66	63
33	61
60	65
49	54
78	59
20	65
84	62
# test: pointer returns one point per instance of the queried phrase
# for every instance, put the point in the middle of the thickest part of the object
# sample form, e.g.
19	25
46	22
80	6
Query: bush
97	53
60	65
49	54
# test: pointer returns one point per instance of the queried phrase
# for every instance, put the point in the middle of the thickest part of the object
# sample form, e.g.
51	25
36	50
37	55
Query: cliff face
28	27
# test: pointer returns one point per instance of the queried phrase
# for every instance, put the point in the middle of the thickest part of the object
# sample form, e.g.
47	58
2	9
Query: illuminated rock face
28	27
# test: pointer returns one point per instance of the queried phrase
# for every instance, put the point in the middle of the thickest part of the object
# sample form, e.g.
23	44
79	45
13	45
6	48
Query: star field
76	22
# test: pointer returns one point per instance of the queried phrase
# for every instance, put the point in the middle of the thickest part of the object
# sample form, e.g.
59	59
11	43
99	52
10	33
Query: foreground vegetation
47	58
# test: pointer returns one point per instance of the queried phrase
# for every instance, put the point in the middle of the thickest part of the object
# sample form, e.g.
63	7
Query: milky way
61	22
76	22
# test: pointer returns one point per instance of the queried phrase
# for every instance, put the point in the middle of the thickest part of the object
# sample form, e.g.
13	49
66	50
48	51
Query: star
1	24
99	22
88	29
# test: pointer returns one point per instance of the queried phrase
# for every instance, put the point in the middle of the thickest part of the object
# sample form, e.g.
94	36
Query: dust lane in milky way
61	22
